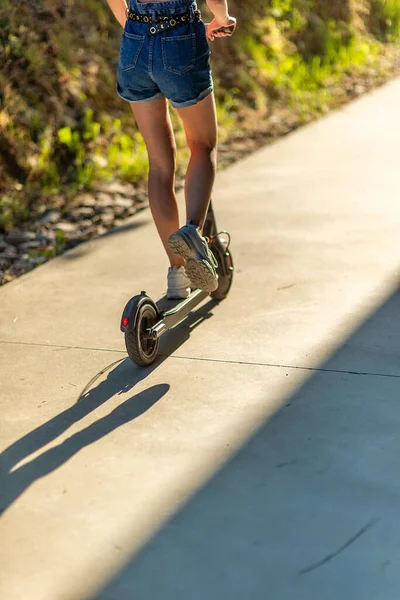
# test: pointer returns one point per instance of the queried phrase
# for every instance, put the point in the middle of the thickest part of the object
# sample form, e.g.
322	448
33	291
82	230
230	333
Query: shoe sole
197	269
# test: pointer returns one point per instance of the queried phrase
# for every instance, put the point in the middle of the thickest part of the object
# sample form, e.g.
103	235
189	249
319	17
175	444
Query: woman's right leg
200	124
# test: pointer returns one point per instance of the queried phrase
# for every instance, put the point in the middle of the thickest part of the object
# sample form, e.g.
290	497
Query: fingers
211	33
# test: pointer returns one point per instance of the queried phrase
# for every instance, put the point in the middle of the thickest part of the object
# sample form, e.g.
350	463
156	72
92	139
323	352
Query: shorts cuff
200	97
155	97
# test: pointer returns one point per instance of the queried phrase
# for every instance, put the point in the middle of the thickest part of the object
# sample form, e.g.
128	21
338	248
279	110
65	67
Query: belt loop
153	16
191	10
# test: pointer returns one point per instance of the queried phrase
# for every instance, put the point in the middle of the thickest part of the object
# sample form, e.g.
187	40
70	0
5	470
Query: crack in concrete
61	346
341	549
216	360
299	367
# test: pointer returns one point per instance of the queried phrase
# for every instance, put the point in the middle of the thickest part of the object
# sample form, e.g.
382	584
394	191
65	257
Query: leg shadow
121	378
15	483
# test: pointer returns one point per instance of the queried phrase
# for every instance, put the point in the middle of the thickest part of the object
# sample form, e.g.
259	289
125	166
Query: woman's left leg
155	125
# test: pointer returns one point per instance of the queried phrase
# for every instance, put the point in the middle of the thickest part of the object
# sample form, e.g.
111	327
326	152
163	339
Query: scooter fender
223	256
131	312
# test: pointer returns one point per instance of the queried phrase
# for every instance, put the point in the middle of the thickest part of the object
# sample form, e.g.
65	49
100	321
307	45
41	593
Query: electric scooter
144	321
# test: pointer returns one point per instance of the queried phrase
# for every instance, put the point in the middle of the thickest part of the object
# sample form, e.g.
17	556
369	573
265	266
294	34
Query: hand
219	28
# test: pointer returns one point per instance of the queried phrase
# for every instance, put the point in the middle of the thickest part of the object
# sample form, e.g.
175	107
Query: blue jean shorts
174	63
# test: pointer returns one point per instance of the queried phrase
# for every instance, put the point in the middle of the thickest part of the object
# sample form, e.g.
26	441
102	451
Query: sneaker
201	264
178	283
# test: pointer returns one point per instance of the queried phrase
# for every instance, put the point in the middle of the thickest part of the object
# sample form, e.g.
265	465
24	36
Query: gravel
55	230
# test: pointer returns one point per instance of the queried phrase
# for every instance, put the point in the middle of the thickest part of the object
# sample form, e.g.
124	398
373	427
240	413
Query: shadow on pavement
14	483
138	222
122	377
308	508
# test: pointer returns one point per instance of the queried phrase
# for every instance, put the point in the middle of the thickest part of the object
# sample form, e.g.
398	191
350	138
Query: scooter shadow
179	334
123	375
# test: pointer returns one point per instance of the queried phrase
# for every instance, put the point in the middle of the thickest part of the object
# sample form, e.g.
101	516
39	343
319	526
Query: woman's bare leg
155	125
200	123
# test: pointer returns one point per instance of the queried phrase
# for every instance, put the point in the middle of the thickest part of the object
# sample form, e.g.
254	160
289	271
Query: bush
63	127
385	19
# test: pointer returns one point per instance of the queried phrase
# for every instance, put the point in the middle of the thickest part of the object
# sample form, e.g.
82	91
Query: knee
204	149
163	167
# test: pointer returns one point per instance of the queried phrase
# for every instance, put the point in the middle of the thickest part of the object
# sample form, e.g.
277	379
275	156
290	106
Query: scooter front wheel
141	347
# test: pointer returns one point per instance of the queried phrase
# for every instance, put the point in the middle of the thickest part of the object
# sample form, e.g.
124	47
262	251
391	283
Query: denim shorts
174	63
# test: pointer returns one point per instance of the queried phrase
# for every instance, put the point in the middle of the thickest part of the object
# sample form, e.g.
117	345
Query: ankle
196	224
177	264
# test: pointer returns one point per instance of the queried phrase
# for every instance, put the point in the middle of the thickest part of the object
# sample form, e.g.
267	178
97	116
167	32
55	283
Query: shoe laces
210	253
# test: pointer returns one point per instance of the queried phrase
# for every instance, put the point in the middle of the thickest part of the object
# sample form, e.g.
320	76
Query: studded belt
163	22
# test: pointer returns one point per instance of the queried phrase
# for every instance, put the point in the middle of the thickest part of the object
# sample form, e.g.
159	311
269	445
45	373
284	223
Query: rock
17	237
66	227
58	201
116	187
107	218
274	119
101	229
38	260
82	212
85	224
4	264
3	243
21	266
141	197
46	238
121	211
73	241
9	252
5	277
28	246
122	202
104	200
86	200
87	211
88	234
51	216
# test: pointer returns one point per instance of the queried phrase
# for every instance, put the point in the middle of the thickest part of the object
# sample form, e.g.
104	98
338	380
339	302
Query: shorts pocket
179	53
131	45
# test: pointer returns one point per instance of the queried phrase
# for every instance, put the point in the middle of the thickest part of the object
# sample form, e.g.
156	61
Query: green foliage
277	66
12	207
385	17
126	154
63	127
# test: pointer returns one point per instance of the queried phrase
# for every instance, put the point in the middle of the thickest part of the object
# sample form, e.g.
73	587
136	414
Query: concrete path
259	458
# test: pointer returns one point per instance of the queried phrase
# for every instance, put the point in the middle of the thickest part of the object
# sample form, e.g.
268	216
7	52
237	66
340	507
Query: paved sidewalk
259	457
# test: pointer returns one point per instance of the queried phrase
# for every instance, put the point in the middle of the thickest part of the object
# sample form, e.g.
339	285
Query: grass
385	15
66	129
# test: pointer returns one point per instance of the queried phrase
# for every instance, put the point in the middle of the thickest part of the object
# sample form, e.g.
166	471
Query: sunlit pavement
259	457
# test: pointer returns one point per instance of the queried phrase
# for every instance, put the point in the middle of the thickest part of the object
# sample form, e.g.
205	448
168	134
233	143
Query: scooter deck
170	307
173	312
